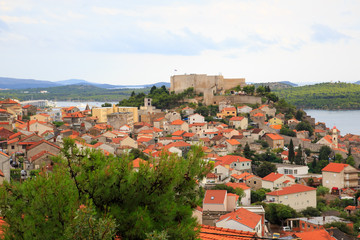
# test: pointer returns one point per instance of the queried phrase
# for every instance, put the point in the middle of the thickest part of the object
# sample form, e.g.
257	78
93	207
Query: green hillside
331	96
72	92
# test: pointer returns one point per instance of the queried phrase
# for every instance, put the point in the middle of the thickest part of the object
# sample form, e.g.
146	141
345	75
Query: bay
347	121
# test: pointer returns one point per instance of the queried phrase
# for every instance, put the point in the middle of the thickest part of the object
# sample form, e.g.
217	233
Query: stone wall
232	99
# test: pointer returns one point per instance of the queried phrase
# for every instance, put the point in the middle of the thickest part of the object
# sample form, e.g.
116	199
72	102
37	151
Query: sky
147	41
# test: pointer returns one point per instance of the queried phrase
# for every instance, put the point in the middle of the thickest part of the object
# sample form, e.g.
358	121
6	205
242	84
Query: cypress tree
291	155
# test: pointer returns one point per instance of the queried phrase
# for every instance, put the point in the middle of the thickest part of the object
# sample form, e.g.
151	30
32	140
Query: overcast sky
145	41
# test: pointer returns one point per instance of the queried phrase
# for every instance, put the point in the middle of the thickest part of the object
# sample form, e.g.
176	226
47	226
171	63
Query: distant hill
75	92
329	96
277	85
17	83
358	82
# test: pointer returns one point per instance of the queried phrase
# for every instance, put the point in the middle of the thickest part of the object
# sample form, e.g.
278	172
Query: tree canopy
159	197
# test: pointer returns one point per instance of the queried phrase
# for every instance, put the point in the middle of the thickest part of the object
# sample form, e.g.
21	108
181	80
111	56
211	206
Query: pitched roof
272	177
215	196
228	159
334	167
242	216
236	118
177	122
40	142
217	233
274	136
295	188
178	133
40	154
136	163
229	109
232	142
237	185
321	234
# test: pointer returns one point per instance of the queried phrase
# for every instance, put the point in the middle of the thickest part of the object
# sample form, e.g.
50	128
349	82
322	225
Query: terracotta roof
237	185
241	176
228	159
258	115
177	122
242	216
4	154
334	167
177	144
321	234
40	154
217	233
15	135
144	139
230	109
40	142
178	133
232	142
274	136
13	140
159	119
295	188
215	196
236	118
350	208
277	127
27	106
188	134
136	163
272	177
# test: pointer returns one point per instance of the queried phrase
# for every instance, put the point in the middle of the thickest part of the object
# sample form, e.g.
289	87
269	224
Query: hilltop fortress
212	87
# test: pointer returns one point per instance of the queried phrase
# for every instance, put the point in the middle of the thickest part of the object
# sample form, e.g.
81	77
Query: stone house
277	180
274	140
340	175
297	196
239	122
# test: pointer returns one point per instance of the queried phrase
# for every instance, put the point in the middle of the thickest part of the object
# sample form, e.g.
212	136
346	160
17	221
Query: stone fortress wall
212	87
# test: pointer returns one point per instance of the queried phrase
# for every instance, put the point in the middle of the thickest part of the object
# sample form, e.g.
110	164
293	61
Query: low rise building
297	196
277	180
340	175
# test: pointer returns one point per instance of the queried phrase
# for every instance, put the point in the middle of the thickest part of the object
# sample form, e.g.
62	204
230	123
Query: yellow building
276	121
102	112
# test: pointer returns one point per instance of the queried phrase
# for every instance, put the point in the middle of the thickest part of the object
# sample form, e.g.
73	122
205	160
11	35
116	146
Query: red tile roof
274	136
217	233
236	118
272	177
177	122
321	234
215	196
228	159
334	167
137	162
229	109
40	154
237	185
242	216
40	142
296	188
178	133
232	142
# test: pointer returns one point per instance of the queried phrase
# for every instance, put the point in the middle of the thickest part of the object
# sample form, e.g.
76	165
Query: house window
242	164
23	147
12	147
254	182
303	225
248	164
215	170
295	171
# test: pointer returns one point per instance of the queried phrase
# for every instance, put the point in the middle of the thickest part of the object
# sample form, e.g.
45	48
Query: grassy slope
323	96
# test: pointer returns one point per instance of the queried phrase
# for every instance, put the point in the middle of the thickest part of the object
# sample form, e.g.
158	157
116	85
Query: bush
311	212
321	191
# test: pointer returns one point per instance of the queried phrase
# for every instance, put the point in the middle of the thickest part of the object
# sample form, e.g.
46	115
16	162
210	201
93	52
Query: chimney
28	125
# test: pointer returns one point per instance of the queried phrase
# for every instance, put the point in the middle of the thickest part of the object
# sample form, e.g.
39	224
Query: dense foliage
323	96
161	98
156	198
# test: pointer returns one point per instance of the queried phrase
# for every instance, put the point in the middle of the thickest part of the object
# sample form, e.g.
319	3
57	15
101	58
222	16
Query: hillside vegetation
329	96
71	93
